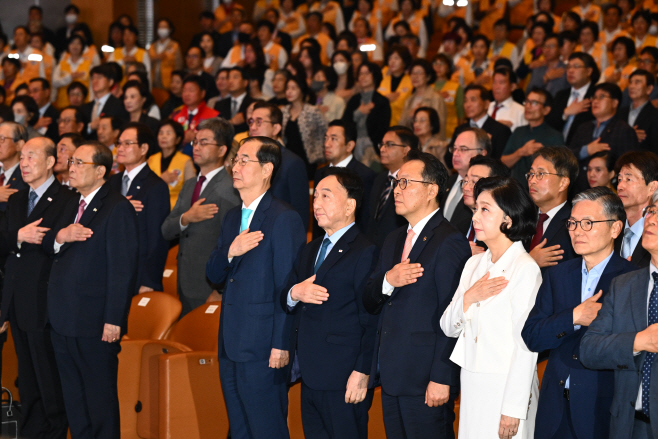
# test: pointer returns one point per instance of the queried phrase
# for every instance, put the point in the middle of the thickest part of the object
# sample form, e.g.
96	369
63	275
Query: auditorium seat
170	275
151	315
160	96
295	412
179	386
376	417
541	367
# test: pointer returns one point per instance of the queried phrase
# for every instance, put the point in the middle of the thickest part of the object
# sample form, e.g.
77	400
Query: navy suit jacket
15	182
333	339
608	344
92	282
557	234
367	177
290	184
153	192
379	228
550	327
53	131
252	321
410	345
113	107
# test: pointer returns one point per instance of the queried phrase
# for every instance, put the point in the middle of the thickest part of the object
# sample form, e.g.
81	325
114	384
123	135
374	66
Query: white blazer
489	332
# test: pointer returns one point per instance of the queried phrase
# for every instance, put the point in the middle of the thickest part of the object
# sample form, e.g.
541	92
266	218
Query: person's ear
267	169
616	229
276	129
50	162
222	151
350	146
564	184
546	110
433	191
351	207
144	149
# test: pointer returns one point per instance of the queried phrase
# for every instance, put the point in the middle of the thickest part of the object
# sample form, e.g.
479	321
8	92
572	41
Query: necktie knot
197	189
125	185
627	245
31	202
81	210
244	222
322	255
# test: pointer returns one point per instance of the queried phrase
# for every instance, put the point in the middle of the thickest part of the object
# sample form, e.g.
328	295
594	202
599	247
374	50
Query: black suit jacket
500	134
224	109
411	347
640	257
378	119
53	131
92	282
379	228
153	192
557	234
367	177
28	267
113	107
15	182
645	121
461	217
617	134
554	118
290	184
333	339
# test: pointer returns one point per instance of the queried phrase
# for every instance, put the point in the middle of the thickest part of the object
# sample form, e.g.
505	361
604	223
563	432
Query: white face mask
653	29
340	67
19	118
71	18
163	33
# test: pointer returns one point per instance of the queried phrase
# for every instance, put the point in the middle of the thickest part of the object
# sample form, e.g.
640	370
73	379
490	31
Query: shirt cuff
180	223
583	152
57	246
576	327
291	303
387	289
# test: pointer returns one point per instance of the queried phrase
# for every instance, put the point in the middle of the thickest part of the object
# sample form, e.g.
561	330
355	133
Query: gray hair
222	130
612	205
19	131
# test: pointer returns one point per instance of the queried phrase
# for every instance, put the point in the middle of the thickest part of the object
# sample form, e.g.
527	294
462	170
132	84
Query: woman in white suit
499	386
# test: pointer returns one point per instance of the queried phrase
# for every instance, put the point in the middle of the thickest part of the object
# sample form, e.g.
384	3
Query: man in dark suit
91	284
333	335
638	180
289	183
574	401
623	338
470	143
552	172
641	115
202	204
11	180
48	115
339	142
255	254
416	276
30	213
194	66
571	107
396	144
206	24
234	108
476	105
606	132
149	195
103	78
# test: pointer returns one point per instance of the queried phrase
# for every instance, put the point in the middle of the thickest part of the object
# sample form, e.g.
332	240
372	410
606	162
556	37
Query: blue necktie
648	360
31	202
567	125
323	253
245	219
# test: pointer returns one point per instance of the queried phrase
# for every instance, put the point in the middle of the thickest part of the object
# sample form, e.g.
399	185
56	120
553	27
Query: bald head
37	161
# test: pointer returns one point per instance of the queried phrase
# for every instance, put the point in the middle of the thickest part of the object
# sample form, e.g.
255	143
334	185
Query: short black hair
80	86
266	23
651	51
14	61
30	106
430	74
77	113
644	161
507	72
628	44
406	136
222	130
562	159
39	9
433	115
589	62
178	130
45	84
606	156
350	181
403	52
269	152
374	70
102	156
132	29
144	135
575	17
349	129
485	94
502	22
514	200
276	116
332	77
642	13
566	35
196	80
587	24
76	139
433	170
648	77
496	167
72	8
105	70
548	98
115	122
482	38
612	89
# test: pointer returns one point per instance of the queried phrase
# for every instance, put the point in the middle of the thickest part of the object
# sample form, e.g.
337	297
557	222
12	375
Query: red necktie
81	210
197	189
539	234
471	234
496	107
2	179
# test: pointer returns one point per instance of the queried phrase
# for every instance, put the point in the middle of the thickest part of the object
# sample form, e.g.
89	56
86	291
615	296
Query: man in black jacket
11	181
103	78
641	115
234	108
48	115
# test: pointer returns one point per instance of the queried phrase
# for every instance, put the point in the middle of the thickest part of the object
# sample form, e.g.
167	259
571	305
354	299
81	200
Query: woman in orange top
451	92
409	12
588	11
589	32
641	21
490	11
291	21
365	10
623	51
165	55
12	78
73	66
396	84
130	51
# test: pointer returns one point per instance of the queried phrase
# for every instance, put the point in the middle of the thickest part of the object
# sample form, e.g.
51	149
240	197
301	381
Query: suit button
296	330
303	308
18	255
390	303
231	280
378	332
562	382
575	357
561	334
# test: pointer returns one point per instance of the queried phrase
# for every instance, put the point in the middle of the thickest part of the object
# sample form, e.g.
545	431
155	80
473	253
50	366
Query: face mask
19	118
70	18
340	67
653	29
317	86
163	33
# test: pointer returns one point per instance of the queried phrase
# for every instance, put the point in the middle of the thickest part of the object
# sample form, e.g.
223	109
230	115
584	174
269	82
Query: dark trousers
256	398
88	370
408	417
40	389
642	430
565	430
326	415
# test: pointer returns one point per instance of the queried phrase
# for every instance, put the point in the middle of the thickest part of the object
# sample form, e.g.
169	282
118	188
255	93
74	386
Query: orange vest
625	74
505	52
649	41
177	163
487	22
273	56
323	39
449	94
119	55
222	14
65	67
404	88
414	22
167	64
32	69
597	52
593	13
9	91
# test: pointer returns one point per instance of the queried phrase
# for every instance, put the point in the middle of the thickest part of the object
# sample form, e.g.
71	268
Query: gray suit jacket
608	344
198	240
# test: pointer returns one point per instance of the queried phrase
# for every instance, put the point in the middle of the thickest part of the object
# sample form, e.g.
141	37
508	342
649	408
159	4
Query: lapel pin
425	238
340	251
138	187
50	199
95	210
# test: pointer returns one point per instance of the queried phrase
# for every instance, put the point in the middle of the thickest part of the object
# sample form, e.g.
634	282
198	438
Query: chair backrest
151	315
199	329
160	96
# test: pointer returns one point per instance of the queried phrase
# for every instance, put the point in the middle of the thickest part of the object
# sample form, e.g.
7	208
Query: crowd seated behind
390	152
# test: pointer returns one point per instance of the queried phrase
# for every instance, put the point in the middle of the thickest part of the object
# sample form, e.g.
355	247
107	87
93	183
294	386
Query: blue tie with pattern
648	360
244	223
31	202
323	253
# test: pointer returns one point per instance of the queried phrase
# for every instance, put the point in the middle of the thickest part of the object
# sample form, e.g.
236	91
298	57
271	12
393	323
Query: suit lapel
45	201
213	183
425	236
138	181
96	203
639	288
557	222
611	271
337	252
257	219
574	279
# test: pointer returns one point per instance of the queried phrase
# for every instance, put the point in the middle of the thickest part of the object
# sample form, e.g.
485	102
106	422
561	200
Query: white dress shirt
509	110
480	123
209	176
387	288
132	174
344	163
581	95
637	229
42	111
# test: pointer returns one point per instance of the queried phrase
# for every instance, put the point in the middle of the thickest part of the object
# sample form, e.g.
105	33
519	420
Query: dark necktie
648	360
31	202
197	189
2	179
190	117
323	253
382	200
539	234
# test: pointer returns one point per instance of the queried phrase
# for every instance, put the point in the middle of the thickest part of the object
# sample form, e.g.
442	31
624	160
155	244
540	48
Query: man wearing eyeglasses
528	139
254	256
646	60
623	338
574	401
637	182
12	138
552	172
606	132
640	113
196	219
234	107
95	247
